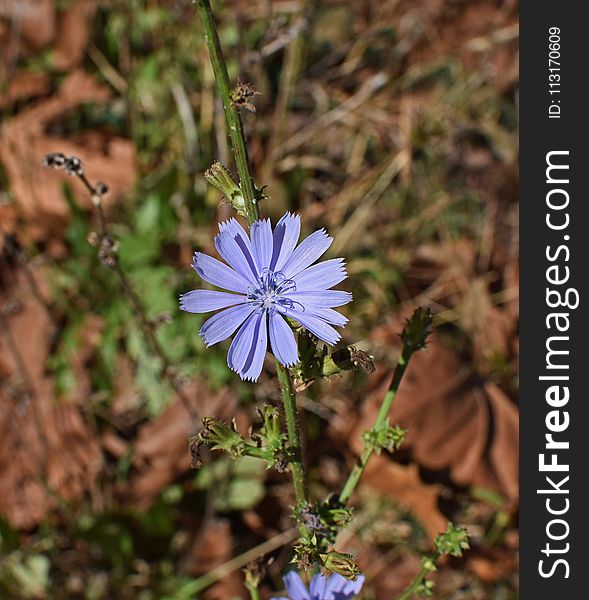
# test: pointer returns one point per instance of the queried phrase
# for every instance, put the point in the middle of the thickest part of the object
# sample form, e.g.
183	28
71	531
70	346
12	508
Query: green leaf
138	249
238	483
241	494
31	574
147	216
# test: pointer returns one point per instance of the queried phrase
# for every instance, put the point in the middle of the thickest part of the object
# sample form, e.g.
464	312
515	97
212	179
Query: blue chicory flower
334	587
267	279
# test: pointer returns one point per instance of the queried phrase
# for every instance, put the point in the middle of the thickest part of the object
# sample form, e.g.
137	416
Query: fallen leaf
34	20
48	450
23	85
494	564
24	143
160	452
73	32
212	547
405	485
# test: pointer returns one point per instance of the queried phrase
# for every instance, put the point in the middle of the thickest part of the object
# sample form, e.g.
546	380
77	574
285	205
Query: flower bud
384	436
219	177
428	564
453	541
219	436
417	328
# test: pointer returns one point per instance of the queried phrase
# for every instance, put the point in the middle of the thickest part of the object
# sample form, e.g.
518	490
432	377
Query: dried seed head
101	188
194	444
73	166
242	94
55	160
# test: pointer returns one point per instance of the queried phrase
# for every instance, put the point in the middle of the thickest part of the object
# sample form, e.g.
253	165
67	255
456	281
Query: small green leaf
241	494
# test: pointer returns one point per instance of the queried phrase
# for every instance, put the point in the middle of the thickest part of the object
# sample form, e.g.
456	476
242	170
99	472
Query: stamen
267	292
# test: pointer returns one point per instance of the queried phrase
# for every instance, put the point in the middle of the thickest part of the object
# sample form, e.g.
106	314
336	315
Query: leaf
160	450
31	575
48	451
24	141
237	483
240	494
405	485
138	249
147	217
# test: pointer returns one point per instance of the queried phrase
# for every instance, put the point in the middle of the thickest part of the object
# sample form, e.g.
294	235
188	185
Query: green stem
383	413
254	593
255	452
249	194
292	429
231	114
414	585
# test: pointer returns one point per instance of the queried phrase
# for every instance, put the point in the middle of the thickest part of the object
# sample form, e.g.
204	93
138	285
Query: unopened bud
219	436
384	436
417	329
73	166
428	564
219	177
101	188
253	574
453	541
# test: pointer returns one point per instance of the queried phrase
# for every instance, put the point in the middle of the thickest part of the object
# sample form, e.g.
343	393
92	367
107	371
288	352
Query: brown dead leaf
391	582
405	485
24	85
480	296
48	450
24	142
34	20
73	32
114	444
386	577
215	548
494	564
125	397
160	453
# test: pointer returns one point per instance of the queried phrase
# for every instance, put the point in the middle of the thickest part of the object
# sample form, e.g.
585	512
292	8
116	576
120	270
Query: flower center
268	291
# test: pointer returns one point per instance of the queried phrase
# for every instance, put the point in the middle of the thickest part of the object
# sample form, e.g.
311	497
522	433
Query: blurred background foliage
393	124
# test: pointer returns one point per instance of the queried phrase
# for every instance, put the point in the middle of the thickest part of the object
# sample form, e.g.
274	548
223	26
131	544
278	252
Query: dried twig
107	252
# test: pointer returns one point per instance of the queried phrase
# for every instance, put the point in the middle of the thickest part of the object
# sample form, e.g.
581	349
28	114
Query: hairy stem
248	190
231	114
292	428
385	408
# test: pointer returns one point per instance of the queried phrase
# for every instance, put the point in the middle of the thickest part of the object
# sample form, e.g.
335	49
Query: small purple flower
270	279
334	587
